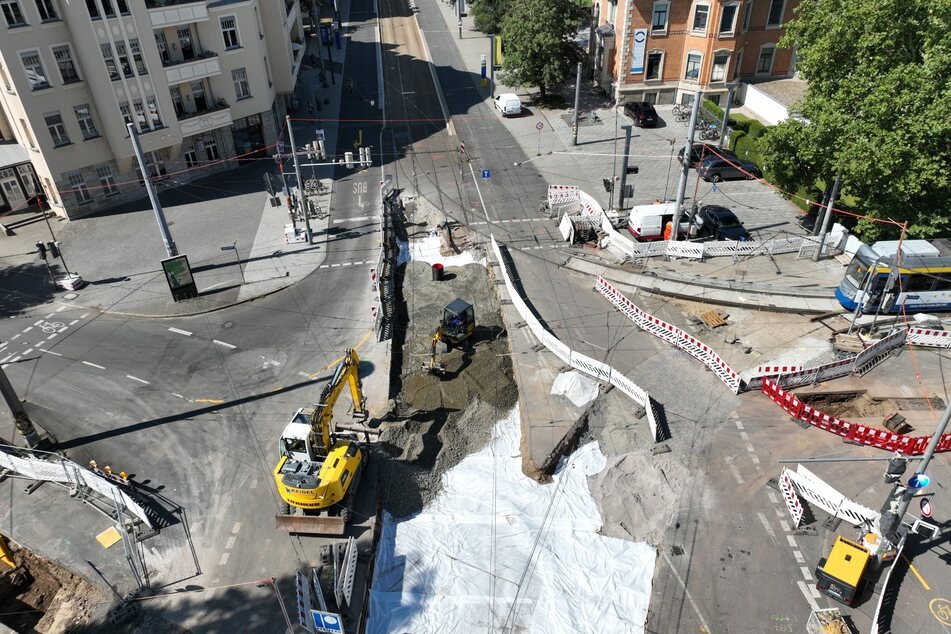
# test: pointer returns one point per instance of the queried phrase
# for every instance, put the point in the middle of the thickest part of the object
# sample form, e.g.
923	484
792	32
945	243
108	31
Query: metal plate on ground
310	525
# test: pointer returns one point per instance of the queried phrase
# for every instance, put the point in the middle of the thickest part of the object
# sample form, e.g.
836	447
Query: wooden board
713	318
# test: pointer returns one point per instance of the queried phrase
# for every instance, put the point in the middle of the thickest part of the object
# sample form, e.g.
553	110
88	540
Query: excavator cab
457	325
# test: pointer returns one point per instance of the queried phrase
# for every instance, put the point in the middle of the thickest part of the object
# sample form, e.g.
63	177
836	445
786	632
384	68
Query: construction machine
319	469
457	325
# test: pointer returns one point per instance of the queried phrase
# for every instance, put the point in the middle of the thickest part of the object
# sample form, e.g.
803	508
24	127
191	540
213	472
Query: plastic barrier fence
558	194
790	497
929	338
671	334
600	371
852	432
829	500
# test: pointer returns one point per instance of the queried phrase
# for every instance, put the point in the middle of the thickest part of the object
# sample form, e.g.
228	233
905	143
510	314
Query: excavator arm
347	373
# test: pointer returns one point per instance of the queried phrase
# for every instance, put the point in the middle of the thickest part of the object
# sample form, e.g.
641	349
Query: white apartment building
204	81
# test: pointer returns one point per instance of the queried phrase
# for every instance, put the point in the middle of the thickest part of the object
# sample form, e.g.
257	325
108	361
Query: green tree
877	108
539	47
488	14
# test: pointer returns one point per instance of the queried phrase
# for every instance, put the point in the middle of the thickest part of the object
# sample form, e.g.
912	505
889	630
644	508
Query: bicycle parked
712	133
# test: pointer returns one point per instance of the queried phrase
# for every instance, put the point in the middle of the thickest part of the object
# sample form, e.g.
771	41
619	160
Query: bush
735	138
713	108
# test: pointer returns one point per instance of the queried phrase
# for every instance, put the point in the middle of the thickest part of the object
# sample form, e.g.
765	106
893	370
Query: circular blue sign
919	481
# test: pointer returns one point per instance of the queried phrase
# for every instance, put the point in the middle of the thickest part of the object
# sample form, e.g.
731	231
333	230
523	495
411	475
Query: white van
647	222
509	104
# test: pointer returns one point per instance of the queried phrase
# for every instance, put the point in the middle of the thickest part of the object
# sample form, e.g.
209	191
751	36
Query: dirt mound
443	418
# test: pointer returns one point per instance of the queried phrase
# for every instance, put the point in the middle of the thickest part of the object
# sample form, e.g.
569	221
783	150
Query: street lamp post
170	247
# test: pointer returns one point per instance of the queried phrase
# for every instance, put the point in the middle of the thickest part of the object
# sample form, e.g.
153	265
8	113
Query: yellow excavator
457	325
319	470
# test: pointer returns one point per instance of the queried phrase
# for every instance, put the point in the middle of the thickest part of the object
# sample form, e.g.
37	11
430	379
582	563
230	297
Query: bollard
437	272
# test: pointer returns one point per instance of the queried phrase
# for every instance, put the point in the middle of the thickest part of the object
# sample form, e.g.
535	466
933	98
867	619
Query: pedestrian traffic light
633	169
41	249
53	248
608	184
348	159
365	158
321	152
310	151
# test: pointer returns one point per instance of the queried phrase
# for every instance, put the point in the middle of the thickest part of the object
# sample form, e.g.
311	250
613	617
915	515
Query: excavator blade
310	524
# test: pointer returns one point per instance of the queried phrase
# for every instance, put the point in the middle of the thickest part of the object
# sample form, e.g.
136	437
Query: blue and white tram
924	283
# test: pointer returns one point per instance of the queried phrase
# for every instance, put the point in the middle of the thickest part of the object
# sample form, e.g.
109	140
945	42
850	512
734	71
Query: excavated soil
440	419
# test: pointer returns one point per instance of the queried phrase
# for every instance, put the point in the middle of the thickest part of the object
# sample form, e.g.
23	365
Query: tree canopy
538	38
877	109
487	15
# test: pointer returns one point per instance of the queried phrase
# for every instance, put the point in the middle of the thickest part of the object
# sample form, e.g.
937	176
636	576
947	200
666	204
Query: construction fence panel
692	250
50	471
134	507
566	228
929	337
790	497
884	345
24	466
829	499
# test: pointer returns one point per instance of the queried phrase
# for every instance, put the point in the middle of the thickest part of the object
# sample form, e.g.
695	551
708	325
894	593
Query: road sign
925	506
320	135
539	126
327	622
485	173
919	481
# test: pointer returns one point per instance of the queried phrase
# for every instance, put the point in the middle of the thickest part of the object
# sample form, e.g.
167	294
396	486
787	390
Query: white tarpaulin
576	387
428	250
493	537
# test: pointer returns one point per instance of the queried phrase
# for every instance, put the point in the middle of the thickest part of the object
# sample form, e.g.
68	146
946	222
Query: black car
720	223
642	112
714	168
701	151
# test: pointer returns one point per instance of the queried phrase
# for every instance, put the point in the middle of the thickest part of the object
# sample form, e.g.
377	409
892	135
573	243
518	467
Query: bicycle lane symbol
941	610
49	327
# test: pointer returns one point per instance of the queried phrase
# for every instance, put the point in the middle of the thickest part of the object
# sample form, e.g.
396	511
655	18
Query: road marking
303	374
749	448
754	459
231	541
779	513
792	541
27	329
237	527
50	337
224	558
41	344
89	363
14	337
84	315
325	266
739	425
736	472
703	622
74	322
808	595
63	329
347	263
212	401
60	309
27	351
805	573
50	315
55	354
921	579
37	322
223	343
177	395
4	359
744	436
180	332
785	525
799	558
135	378
769	529
333	266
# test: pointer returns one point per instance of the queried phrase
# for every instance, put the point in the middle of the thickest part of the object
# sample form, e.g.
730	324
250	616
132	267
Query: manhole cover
70	296
228	324
677	550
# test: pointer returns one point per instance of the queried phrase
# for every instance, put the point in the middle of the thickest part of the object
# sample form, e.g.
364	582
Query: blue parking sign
327	622
485	173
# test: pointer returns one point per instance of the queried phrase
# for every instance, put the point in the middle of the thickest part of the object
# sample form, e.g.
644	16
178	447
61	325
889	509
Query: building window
659	19
701	14
33	66
693	66
746	16
737	64
612	11
86	123
92	8
110	61
47	10
140	119
155	165
31	185
655	65
126	112
650	97
137	57
64	60
162	45
191	158
211	150
50	191
764	65
124	61
155	117
240	78
229	32
776	9
77	184
12	13
728	19
106	180
54	123
720	61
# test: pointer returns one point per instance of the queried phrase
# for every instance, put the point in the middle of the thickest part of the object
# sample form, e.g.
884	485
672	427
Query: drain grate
677	550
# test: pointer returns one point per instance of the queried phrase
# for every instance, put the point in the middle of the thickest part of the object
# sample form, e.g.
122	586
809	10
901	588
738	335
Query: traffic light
633	169
41	249
53	248
321	152
365	158
608	184
310	151
348	159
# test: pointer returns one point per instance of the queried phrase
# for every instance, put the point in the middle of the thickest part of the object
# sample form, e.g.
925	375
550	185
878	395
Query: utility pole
828	216
459	17
20	418
170	247
492	66
726	114
685	170
301	203
628	129
574	128
614	155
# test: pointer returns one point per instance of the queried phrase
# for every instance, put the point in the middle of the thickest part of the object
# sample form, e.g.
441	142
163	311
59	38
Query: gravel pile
439	420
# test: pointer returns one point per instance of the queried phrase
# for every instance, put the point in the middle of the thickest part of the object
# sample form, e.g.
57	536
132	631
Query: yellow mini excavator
319	470
457	325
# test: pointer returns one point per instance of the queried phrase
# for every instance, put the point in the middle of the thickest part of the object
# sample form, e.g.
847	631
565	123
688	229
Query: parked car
714	168
509	104
642	112
700	151
719	223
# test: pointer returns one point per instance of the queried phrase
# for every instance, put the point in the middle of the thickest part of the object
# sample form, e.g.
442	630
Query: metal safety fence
387	263
600	371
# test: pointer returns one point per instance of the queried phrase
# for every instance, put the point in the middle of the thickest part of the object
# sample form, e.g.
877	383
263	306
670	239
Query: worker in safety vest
668	229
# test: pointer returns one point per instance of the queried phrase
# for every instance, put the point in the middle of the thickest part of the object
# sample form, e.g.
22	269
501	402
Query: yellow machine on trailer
841	574
457	325
319	470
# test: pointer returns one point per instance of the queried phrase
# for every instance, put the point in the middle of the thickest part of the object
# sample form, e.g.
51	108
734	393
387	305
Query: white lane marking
779	513
333	266
325	266
60	309
225	555
799	558
41	344
785	526
4	359
808	595
749	448
347	263
736	472
177	395
74	322
792	541
744	436
805	573
101	367
670	564
178	331
50	315
63	329
224	344
14	337
27	351
754	459
815	591
231	541
55	354
303	374
15	359
739	425
135	378
769	529
27	329
84	315
237	527
37	322
355	219
51	336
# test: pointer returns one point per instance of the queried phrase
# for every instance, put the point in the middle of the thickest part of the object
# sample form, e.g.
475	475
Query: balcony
164	13
217	116
197	67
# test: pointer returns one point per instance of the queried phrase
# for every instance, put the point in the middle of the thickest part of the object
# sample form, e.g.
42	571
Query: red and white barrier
558	194
929	337
790	497
303	602
373	280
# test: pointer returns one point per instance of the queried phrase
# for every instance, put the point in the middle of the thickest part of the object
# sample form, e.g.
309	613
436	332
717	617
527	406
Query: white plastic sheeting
496	550
576	387
428	250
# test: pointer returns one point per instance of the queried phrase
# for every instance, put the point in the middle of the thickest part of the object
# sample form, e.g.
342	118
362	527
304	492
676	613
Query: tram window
856	272
917	283
943	283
